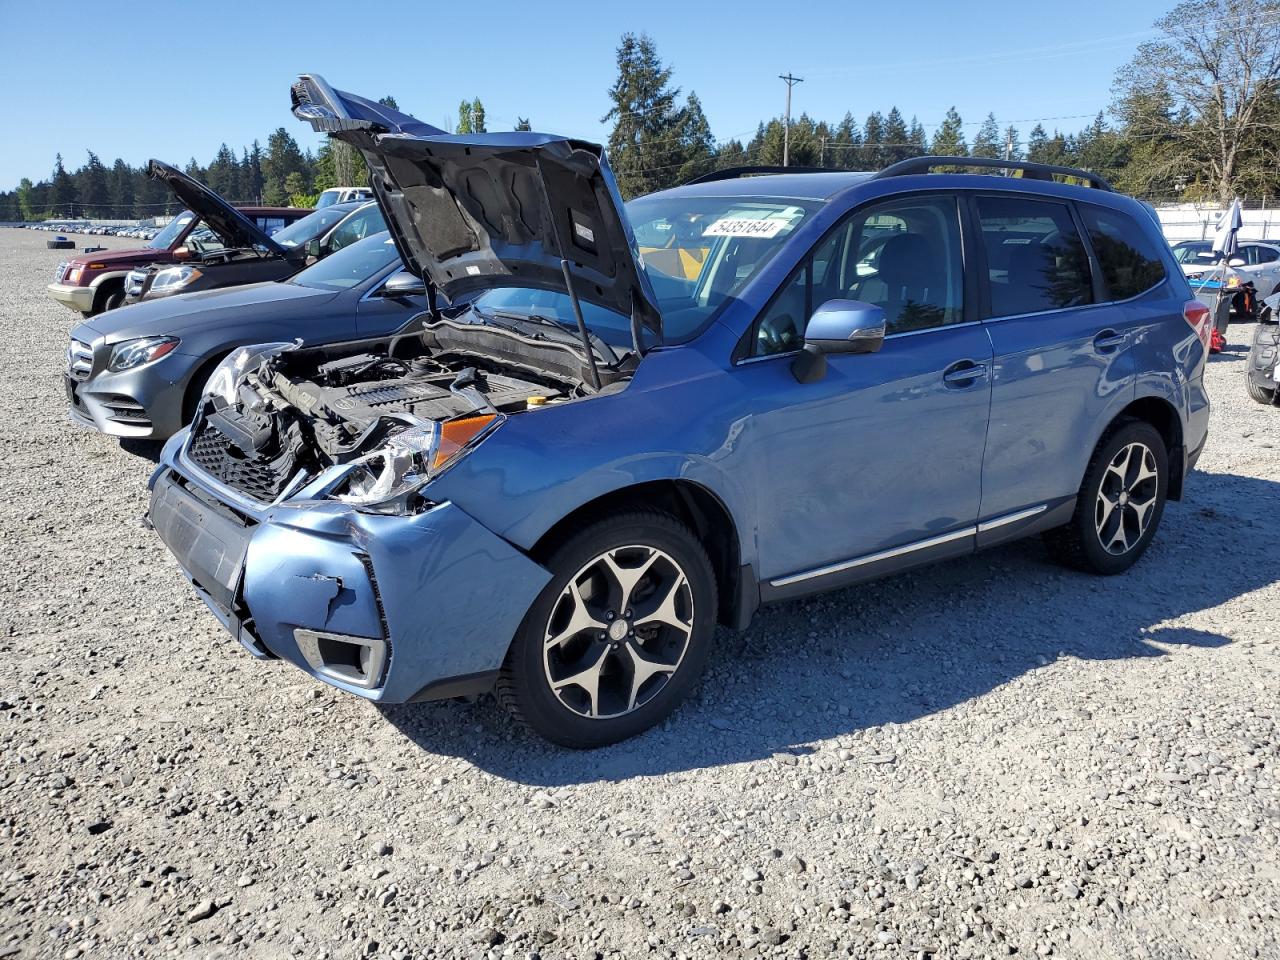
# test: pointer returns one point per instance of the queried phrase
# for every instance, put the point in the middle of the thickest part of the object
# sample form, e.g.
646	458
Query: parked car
1255	265
342	195
1262	371
92	283
558	491
138	372
209	264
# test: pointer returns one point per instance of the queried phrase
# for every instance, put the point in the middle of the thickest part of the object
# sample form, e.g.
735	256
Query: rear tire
1120	502
618	637
1260	393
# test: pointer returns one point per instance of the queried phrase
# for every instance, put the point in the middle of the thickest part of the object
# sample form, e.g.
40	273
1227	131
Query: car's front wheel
1120	502
618	637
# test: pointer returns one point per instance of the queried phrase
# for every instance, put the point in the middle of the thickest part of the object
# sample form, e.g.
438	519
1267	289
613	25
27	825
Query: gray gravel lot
988	758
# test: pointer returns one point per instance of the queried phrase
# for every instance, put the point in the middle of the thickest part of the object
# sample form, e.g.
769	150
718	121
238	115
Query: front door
885	451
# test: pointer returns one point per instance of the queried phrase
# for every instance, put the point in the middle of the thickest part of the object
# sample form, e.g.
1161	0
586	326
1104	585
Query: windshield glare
697	254
164	239
1195	253
351	266
309	227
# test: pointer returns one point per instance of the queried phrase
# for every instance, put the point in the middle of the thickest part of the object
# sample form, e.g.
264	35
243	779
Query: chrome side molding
937	541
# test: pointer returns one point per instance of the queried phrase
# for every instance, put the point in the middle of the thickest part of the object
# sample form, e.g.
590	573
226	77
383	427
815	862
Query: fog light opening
357	661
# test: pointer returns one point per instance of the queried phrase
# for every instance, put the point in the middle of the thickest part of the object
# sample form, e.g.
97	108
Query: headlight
383	481
134	353
226	376
74	275
174	280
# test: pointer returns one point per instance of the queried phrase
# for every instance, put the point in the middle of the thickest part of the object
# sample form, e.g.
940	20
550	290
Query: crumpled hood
473	212
172	316
232	227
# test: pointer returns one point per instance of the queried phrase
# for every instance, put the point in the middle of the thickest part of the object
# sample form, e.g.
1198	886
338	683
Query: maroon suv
94	282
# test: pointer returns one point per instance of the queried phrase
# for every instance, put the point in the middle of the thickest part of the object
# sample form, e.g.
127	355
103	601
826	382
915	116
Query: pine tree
645	146
896	146
26	205
222	175
122	180
919	140
873	152
987	142
948	139
62	191
91	184
283	157
844	152
477	117
464	118
1038	145
698	152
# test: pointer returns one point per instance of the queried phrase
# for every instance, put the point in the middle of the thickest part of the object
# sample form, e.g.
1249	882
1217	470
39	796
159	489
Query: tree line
1195	116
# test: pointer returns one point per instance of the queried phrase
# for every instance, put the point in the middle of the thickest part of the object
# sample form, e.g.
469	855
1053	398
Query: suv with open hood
93	282
558	488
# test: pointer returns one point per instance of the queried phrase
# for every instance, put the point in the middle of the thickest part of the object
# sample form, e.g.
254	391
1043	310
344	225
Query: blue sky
142	80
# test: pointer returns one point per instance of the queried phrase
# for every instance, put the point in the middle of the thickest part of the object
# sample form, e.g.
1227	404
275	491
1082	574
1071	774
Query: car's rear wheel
618	637
1120	502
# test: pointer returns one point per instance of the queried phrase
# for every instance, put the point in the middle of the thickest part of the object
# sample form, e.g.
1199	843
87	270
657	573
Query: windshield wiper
601	347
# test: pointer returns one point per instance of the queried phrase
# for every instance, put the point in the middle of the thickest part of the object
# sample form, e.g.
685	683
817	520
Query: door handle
963	372
1109	340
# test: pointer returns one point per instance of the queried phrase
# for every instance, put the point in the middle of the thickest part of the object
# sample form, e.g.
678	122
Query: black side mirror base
810	365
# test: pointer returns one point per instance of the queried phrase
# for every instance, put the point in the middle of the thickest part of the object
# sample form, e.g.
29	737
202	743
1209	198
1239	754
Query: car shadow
145	449
899	649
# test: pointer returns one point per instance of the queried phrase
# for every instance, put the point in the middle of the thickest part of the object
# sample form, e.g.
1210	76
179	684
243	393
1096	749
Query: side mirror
838	326
404	284
313	248
181	253
1236	262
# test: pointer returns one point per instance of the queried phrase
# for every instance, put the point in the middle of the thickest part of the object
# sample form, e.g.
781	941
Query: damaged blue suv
615	427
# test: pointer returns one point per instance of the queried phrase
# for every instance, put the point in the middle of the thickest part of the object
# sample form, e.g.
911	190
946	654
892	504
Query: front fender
102	278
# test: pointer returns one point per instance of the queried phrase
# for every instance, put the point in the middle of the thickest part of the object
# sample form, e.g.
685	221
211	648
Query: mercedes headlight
174	280
129	354
224	380
386	480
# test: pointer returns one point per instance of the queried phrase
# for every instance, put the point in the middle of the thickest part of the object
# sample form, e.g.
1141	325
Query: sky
136	80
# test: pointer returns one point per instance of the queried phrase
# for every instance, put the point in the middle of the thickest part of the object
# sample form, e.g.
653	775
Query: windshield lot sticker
766	229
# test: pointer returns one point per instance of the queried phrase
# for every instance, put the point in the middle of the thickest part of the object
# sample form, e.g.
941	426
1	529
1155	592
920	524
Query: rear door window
1128	258
1036	260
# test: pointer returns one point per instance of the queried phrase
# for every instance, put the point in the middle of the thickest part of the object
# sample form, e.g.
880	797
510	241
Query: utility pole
790	81
1008	144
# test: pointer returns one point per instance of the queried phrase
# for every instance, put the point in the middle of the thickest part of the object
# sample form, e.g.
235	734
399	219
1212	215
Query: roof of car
795	186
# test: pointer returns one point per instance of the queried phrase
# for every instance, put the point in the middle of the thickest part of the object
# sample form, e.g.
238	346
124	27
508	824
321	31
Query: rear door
1063	359
1263	267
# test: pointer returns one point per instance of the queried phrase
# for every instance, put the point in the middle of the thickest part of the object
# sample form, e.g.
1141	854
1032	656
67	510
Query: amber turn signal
456	434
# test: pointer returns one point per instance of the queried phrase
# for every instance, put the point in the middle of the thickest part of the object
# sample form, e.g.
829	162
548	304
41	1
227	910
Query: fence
1192	222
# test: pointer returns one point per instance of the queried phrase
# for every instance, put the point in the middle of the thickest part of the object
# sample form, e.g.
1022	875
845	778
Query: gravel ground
988	758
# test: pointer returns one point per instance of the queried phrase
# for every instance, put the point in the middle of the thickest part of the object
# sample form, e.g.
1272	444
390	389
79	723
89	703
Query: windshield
328	198
1194	253
164	239
351	266
700	252
309	227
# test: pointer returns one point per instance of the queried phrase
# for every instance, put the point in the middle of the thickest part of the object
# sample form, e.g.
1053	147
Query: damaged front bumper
390	608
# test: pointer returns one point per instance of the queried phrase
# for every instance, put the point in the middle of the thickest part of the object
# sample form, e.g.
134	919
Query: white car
1254	262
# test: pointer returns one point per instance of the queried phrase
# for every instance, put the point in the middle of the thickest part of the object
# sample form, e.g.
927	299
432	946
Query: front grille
61	273
79	360
261	478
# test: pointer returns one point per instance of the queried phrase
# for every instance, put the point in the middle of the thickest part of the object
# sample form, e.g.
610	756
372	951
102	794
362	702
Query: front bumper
144	403
77	298
392	609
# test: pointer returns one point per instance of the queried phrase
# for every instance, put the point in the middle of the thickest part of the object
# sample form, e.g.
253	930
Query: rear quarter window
1128	257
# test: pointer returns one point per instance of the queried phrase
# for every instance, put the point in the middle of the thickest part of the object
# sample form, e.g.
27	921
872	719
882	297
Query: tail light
1200	319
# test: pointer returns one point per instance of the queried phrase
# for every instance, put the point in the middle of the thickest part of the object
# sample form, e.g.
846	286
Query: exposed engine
303	411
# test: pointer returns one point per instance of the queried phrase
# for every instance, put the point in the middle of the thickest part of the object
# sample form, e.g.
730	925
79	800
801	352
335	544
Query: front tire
1120	502
1260	393
618	637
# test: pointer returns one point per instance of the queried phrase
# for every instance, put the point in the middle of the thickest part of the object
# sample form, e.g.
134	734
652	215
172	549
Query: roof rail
1030	171
734	173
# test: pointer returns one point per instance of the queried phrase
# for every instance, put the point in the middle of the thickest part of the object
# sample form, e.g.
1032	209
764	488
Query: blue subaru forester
616	427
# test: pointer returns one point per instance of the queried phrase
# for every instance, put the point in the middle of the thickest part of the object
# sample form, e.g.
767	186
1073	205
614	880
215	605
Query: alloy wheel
1126	496
618	632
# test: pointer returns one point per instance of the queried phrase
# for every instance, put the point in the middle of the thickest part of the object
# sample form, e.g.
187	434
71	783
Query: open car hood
477	211
232	227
